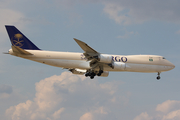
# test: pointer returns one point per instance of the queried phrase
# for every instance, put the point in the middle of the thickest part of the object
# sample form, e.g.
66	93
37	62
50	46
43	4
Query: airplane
89	63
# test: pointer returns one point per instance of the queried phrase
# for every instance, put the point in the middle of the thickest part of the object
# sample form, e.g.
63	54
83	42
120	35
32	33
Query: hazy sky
34	91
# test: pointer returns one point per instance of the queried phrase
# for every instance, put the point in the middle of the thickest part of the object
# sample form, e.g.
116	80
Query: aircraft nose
172	66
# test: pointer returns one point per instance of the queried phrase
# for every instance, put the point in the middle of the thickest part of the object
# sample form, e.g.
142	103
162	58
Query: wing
97	59
88	51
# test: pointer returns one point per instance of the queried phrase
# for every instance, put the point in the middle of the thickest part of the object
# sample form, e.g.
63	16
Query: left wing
97	59
85	47
89	52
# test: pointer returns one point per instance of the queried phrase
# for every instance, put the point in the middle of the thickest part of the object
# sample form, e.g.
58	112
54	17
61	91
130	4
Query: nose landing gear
158	77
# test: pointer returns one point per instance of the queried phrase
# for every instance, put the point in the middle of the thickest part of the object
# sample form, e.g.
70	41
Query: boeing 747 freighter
89	63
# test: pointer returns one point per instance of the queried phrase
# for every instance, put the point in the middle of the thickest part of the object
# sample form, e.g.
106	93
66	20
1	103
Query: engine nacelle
105	58
119	65
78	71
104	74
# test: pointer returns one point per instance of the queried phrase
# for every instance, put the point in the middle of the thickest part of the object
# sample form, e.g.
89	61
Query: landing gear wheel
100	72
158	77
92	77
91	74
87	74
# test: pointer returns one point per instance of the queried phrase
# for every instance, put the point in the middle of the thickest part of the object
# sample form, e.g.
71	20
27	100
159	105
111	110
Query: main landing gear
100	72
158	77
92	74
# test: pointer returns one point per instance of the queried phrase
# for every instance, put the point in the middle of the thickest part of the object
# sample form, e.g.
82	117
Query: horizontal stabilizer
19	50
5	53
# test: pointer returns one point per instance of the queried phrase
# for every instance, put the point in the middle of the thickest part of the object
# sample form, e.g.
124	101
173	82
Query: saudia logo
17	40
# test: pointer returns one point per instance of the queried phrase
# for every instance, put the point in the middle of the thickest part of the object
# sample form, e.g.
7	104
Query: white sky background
30	90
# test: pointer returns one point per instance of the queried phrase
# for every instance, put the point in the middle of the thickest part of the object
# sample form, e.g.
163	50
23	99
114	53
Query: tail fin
19	40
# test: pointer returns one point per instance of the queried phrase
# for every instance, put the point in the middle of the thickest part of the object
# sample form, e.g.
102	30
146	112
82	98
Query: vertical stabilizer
19	40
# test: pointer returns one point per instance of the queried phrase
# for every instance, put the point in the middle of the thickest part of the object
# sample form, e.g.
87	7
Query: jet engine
78	71
105	58
104	74
118	65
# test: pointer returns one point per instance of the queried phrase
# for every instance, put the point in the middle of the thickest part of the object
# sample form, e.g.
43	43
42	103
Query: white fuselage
133	63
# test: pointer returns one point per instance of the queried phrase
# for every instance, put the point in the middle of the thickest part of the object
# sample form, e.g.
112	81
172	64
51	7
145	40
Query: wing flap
19	50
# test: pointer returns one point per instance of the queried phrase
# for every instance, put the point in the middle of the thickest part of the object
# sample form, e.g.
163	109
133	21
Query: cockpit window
164	58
